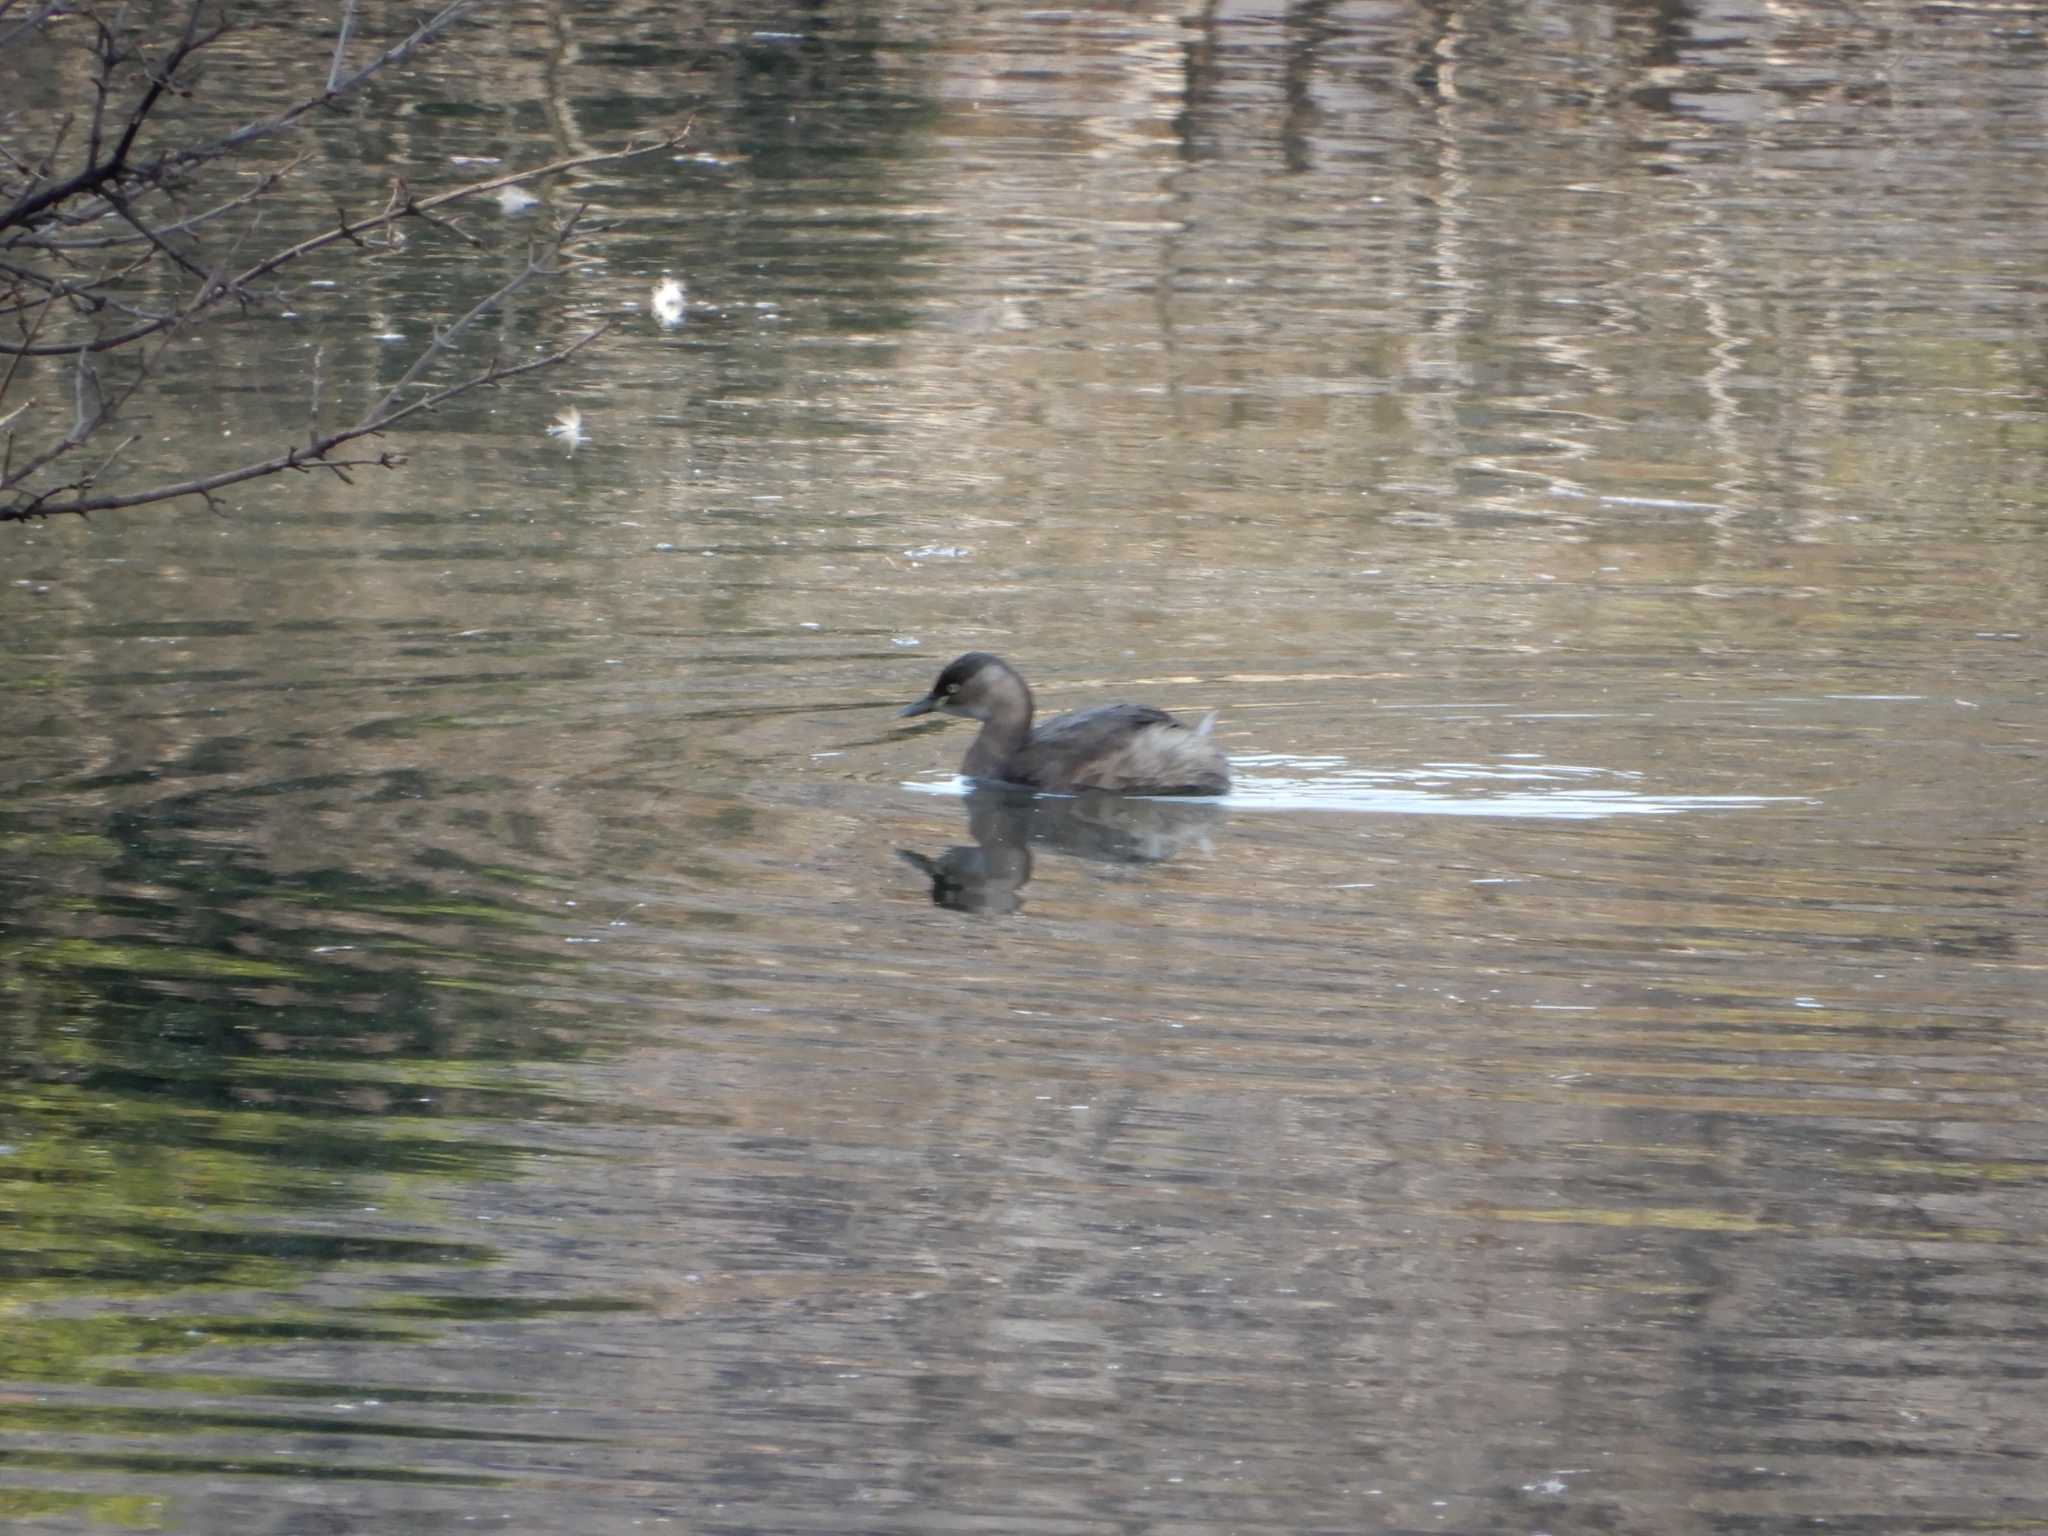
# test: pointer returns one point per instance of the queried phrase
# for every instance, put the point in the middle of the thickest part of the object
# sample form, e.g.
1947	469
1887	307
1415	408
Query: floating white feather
568	425
669	303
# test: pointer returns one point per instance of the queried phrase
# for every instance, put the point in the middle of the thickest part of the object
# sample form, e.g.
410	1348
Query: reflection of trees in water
201	1051
818	112
1559	190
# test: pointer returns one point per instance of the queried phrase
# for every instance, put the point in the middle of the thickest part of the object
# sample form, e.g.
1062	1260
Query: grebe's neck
1005	708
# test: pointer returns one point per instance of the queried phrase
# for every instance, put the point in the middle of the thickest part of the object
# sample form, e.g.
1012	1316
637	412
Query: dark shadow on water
989	874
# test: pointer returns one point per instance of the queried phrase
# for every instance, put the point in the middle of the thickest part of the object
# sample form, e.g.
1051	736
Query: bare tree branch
71	498
110	193
153	236
536	266
34	19
270	182
108	462
353	231
99	172
313	456
92	409
14	367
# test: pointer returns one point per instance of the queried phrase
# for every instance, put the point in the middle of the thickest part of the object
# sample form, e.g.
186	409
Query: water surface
481	1046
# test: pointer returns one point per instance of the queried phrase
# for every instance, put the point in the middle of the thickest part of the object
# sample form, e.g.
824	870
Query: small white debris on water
906	641
515	200
669	302
568	426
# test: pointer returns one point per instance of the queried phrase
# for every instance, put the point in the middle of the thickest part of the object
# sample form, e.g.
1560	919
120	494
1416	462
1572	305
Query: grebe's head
974	686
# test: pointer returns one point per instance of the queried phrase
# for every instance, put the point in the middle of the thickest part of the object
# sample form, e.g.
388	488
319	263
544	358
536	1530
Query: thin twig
449	226
98	170
128	217
312	457
28	335
162	79
397	53
92	477
27	23
104	410
270	182
60	213
353	231
102	77
536	266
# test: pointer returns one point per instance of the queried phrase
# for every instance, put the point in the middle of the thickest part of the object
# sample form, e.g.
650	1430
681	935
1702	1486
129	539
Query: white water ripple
1519	789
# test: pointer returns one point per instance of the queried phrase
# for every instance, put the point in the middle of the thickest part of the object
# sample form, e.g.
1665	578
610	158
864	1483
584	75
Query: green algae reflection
209	1072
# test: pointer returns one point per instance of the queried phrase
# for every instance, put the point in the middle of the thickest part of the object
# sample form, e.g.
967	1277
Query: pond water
504	1028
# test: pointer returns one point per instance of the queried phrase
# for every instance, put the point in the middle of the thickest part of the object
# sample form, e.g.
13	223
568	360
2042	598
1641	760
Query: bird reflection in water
988	874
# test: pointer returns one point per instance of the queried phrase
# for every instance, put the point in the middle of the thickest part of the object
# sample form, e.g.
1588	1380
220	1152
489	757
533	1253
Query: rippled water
505	1029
